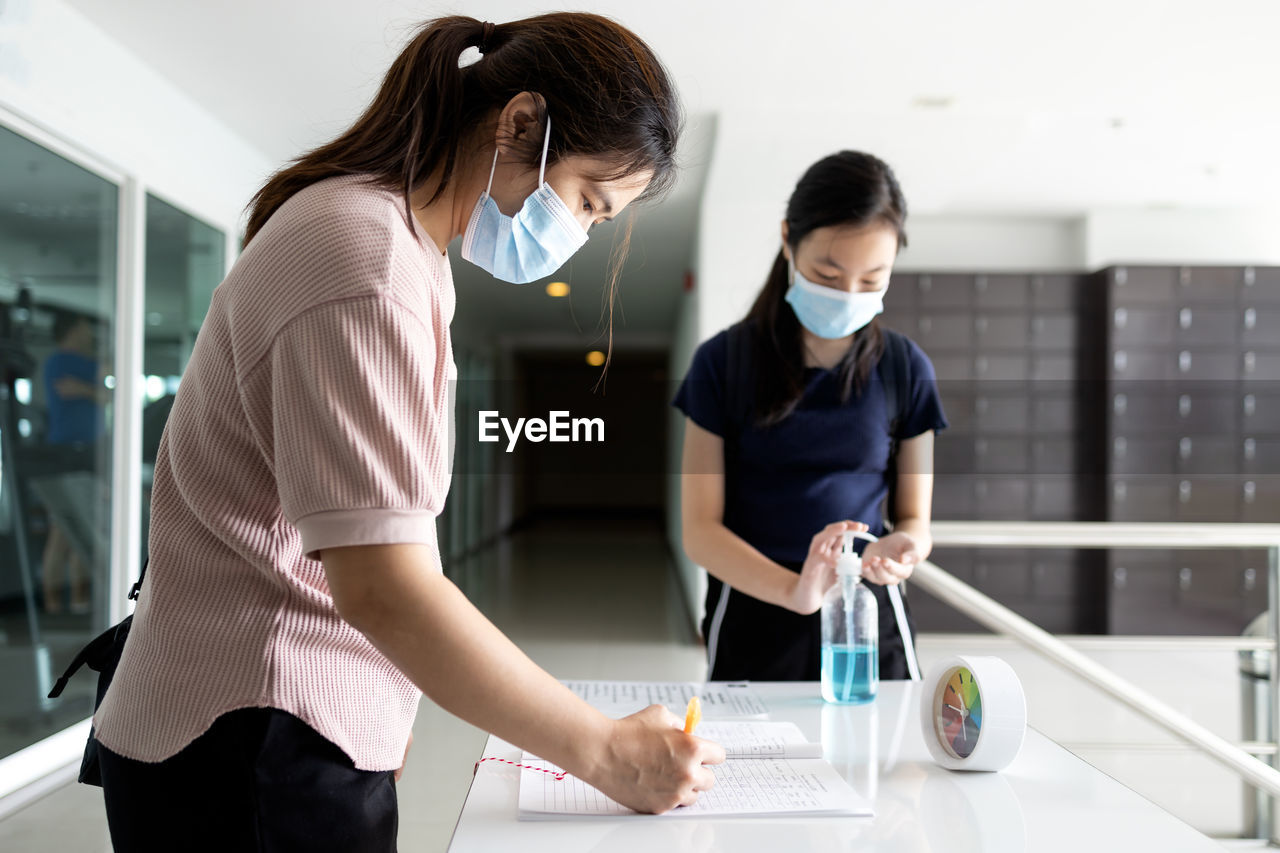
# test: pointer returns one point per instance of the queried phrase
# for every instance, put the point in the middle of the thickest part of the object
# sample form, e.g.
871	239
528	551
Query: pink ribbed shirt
314	413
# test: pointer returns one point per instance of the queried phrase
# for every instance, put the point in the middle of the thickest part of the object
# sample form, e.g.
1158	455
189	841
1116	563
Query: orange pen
693	715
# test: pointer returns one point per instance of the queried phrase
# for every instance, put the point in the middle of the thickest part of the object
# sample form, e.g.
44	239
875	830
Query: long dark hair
849	188
610	95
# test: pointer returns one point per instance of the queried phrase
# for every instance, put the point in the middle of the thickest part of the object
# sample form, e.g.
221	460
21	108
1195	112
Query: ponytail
611	96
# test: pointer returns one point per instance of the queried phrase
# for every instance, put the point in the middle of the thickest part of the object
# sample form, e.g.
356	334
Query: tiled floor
584	600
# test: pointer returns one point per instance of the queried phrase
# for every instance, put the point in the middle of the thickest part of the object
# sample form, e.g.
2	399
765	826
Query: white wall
992	244
61	73
1179	236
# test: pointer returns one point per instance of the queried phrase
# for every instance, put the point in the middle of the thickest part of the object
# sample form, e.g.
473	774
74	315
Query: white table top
1047	800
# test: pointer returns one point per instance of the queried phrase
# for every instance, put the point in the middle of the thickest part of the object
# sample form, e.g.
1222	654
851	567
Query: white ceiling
1042	108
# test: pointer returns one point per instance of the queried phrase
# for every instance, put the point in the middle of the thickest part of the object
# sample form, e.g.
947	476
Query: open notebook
770	770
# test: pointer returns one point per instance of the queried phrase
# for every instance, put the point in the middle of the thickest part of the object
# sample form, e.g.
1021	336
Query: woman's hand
891	560
818	574
651	765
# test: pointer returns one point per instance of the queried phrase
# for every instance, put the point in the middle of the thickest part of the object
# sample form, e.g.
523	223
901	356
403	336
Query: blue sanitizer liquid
850	674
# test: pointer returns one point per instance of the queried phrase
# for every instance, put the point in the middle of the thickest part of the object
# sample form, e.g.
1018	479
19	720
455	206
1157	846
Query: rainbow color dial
959	714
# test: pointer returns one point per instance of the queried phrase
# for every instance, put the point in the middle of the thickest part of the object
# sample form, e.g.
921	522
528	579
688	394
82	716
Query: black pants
758	641
259	779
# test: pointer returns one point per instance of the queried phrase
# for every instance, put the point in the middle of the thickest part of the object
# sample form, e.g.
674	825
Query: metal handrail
997	617
1103	534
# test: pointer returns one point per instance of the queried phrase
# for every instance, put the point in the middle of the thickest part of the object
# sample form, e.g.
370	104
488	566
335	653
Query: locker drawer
943	331
1057	291
1054	498
1206	411
952	367
1260	326
1002	574
957	403
1054	455
954	454
1260	456
1054	574
900	297
1150	365
957	561
1206	365
1260	500
1001	367
1260	410
1001	331
1207	499
953	497
1201	326
1053	368
1053	413
1261	286
1142	409
1142	327
1053	331
1208	579
1001	414
1213	455
1142	454
1209	284
1261	365
1142	498
944	291
1001	291
1001	456
1143	285
1002	498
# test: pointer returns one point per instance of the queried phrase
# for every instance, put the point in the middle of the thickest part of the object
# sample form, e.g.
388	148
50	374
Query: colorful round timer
973	713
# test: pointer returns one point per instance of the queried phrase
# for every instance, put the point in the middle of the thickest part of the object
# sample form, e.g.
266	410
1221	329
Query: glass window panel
186	260
57	315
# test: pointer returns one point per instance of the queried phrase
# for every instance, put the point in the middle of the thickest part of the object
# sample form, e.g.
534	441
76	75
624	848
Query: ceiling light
595	358
932	102
558	288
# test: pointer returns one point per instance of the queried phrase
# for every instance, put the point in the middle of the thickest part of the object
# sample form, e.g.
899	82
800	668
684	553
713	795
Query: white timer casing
1004	713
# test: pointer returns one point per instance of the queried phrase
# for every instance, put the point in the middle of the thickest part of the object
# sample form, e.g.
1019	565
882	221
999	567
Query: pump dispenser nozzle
848	563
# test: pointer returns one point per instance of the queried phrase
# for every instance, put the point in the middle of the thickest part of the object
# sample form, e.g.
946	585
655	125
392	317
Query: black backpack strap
894	371
895	377
102	652
737	368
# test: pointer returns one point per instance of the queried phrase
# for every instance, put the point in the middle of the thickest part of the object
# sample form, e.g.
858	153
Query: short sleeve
359	421
701	395
924	410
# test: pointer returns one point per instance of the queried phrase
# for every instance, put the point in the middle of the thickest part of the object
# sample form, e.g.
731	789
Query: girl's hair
850	189
610	95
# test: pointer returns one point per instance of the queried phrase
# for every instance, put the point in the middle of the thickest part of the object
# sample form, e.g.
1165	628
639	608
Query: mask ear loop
492	169
542	171
546	145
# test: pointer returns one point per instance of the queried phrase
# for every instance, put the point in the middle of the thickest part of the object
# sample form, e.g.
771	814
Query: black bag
102	655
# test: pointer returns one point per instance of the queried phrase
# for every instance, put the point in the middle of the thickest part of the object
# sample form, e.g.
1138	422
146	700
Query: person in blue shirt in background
75	420
789	438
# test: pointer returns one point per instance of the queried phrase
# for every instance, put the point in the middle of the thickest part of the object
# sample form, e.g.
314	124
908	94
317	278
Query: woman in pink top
294	605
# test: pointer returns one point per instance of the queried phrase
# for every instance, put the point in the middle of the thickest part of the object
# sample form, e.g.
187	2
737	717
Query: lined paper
722	700
747	787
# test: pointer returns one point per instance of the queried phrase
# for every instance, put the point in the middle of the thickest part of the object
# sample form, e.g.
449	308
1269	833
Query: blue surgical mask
828	312
534	243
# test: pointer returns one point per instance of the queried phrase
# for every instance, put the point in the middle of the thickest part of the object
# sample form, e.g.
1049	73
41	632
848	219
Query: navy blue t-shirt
825	462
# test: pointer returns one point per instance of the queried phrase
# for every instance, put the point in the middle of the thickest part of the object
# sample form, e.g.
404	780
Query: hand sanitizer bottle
850	634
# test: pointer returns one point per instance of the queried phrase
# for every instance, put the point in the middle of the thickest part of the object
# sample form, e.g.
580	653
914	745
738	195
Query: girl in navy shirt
790	440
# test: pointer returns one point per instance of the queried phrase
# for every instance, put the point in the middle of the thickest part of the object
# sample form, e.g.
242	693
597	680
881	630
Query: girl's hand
818	574
891	560
651	765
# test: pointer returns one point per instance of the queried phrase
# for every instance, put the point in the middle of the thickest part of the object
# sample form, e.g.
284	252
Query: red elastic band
553	774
